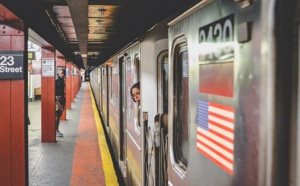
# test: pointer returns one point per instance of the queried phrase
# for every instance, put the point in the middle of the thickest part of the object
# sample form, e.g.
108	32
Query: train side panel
221	109
95	85
99	103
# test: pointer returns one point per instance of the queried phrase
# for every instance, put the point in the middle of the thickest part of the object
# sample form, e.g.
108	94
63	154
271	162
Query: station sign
11	65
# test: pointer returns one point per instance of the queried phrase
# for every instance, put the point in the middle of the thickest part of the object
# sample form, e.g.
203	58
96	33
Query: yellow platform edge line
109	171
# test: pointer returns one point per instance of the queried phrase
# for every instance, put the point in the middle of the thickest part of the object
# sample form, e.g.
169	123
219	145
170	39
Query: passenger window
123	86
165	81
137	68
110	83
162	82
181	105
115	84
137	112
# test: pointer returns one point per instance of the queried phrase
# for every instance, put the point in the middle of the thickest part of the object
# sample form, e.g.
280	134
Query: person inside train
60	99
135	92
135	95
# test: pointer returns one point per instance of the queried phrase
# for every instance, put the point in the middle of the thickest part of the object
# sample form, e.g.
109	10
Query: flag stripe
215	156
216	149
224	120
221	132
221	136
221	126
230	171
226	146
223	107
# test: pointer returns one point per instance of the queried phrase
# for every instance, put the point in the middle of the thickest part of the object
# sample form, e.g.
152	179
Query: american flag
215	133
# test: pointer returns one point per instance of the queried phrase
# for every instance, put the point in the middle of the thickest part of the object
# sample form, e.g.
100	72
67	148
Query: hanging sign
11	65
48	67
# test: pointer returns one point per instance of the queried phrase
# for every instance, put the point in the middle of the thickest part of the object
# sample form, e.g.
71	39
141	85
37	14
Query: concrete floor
50	164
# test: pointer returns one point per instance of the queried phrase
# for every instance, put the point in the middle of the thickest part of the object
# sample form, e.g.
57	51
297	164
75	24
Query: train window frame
180	162
110	83
137	114
161	82
103	72
137	68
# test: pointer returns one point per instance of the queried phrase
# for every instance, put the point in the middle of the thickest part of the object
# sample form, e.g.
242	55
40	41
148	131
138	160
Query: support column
13	100
68	86
48	95
72	83
61	63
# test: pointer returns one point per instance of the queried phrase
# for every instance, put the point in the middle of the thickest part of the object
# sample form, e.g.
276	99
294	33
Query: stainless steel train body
130	127
219	100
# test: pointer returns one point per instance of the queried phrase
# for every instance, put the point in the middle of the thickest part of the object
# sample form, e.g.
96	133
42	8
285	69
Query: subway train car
219	97
129	129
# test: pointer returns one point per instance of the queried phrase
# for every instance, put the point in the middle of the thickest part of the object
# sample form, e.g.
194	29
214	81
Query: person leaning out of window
135	95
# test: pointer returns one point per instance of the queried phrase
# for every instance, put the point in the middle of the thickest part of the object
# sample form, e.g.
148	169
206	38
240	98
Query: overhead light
244	3
83	55
99	21
102	10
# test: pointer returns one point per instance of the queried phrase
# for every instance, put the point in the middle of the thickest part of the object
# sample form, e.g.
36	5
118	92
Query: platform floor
81	157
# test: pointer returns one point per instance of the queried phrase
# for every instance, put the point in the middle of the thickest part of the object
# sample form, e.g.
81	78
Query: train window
137	79
123	81
137	68
181	93
163	81
110	82
103	72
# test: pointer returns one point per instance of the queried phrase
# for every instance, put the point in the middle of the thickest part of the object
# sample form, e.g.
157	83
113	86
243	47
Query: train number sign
11	65
216	39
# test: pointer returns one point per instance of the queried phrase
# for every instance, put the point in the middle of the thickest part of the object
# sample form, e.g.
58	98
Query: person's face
61	74
136	94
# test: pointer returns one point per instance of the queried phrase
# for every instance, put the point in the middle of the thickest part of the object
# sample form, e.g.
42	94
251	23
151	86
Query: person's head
61	73
135	92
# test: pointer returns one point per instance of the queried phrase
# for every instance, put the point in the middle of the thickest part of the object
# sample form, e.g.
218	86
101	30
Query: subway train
219	88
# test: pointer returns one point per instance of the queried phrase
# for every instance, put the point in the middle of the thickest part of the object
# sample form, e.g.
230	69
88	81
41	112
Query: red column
48	94
72	84
76	81
68	86
13	126
61	63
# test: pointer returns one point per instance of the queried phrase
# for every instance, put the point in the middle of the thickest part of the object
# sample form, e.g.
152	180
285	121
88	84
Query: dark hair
63	71
136	85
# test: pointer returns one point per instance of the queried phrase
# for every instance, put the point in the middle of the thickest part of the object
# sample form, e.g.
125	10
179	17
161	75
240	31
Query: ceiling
88	32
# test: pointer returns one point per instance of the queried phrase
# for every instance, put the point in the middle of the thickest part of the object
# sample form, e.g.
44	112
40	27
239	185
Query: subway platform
81	157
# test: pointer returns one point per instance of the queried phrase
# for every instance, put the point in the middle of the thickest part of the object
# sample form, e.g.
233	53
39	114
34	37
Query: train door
122	80
133	127
296	148
161	122
178	112
290	61
136	78
99	85
100	89
104	96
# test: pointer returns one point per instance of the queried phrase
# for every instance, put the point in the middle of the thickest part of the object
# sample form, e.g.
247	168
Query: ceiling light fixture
102	10
99	21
